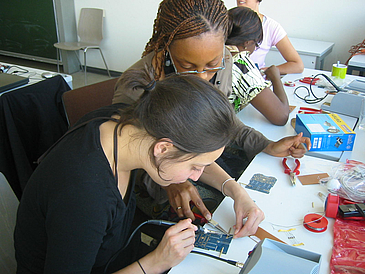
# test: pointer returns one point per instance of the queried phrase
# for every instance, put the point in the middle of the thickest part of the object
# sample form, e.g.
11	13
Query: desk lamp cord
310	91
168	223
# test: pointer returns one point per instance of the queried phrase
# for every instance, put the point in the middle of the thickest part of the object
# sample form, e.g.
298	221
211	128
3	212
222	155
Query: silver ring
179	207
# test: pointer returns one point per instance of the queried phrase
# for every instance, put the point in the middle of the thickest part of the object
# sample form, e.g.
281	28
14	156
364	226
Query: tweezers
217	226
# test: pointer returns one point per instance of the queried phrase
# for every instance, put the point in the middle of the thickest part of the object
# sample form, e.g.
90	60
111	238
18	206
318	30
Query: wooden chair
80	101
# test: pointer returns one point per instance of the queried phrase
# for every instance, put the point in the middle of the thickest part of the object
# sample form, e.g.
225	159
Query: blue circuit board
261	183
213	241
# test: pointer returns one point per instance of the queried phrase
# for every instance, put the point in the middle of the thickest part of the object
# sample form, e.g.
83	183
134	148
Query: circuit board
213	241
261	183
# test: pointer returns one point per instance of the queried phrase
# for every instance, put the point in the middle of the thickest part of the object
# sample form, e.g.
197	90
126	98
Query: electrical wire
310	92
166	223
231	262
20	70
287	226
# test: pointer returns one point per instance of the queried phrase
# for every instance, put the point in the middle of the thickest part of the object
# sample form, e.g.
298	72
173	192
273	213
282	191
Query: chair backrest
8	207
90	27
80	101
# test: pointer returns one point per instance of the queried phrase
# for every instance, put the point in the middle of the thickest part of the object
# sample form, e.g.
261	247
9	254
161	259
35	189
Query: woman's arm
294	63
176	244
244	206
273	105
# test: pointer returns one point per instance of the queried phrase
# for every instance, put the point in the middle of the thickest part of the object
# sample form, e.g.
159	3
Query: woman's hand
244	207
286	146
176	244
272	73
180	196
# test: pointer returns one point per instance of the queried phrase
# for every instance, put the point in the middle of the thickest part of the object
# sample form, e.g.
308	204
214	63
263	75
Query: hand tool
309	80
290	172
306	110
217	226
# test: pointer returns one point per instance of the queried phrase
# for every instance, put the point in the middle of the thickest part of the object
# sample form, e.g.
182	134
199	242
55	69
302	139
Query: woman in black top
77	208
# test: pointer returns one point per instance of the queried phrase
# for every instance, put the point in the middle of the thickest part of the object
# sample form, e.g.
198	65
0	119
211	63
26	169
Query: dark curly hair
180	19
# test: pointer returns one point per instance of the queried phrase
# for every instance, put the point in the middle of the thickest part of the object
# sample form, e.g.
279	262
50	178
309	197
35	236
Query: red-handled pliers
290	172
309	80
306	110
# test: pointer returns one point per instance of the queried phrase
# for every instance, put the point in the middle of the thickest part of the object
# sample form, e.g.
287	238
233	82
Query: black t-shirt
72	218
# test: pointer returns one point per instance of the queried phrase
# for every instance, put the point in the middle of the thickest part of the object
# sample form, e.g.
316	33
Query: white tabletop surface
284	207
357	60
34	75
253	118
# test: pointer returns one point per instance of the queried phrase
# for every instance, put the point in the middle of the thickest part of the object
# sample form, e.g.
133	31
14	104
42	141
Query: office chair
8	207
90	32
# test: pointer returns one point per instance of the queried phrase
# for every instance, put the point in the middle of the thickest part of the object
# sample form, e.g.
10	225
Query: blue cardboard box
327	132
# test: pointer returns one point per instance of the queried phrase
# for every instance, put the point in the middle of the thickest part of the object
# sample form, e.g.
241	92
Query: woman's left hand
246	208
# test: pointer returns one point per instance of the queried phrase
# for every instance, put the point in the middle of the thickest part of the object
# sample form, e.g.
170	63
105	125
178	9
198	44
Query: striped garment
247	80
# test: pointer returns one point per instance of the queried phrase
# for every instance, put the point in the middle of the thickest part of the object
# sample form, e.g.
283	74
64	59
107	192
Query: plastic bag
348	253
347	181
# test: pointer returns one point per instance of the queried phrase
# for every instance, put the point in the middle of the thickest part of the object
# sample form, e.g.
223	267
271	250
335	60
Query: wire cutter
290	172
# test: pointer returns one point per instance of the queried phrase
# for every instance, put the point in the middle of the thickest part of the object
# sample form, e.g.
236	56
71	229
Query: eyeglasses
207	70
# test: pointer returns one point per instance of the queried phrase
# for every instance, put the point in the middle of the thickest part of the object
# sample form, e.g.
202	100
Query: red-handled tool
309	80
306	110
290	172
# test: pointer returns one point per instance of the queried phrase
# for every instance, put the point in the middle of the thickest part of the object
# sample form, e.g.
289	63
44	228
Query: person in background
189	39
274	35
248	84
76	212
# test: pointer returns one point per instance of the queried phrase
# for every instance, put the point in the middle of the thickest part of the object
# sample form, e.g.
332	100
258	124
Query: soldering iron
201	229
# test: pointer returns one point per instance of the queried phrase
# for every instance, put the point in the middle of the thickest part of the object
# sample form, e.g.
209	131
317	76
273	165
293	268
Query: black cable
152	222
166	223
231	262
22	70
311	93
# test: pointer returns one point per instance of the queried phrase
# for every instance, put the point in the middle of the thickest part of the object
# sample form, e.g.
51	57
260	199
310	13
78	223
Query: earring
167	59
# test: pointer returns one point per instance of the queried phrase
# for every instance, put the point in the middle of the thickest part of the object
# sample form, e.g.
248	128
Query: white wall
128	26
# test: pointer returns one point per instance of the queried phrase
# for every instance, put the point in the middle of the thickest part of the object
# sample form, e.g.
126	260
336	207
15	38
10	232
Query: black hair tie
150	86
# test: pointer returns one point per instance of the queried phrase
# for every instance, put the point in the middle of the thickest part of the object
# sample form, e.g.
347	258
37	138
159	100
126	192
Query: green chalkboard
28	27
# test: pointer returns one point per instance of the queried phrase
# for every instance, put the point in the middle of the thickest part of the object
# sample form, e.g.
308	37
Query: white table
251	117
34	75
285	206
312	53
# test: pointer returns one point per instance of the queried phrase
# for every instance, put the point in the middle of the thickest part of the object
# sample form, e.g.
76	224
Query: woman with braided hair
188	39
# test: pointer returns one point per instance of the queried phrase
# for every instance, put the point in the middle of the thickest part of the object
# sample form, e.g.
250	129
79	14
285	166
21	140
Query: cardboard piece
312	179
263	234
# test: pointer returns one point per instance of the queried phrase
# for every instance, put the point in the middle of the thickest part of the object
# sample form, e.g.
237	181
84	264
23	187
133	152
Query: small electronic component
261	183
352	210
213	241
291	237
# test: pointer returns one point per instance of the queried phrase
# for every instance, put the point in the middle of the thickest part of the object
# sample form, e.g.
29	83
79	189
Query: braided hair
180	19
